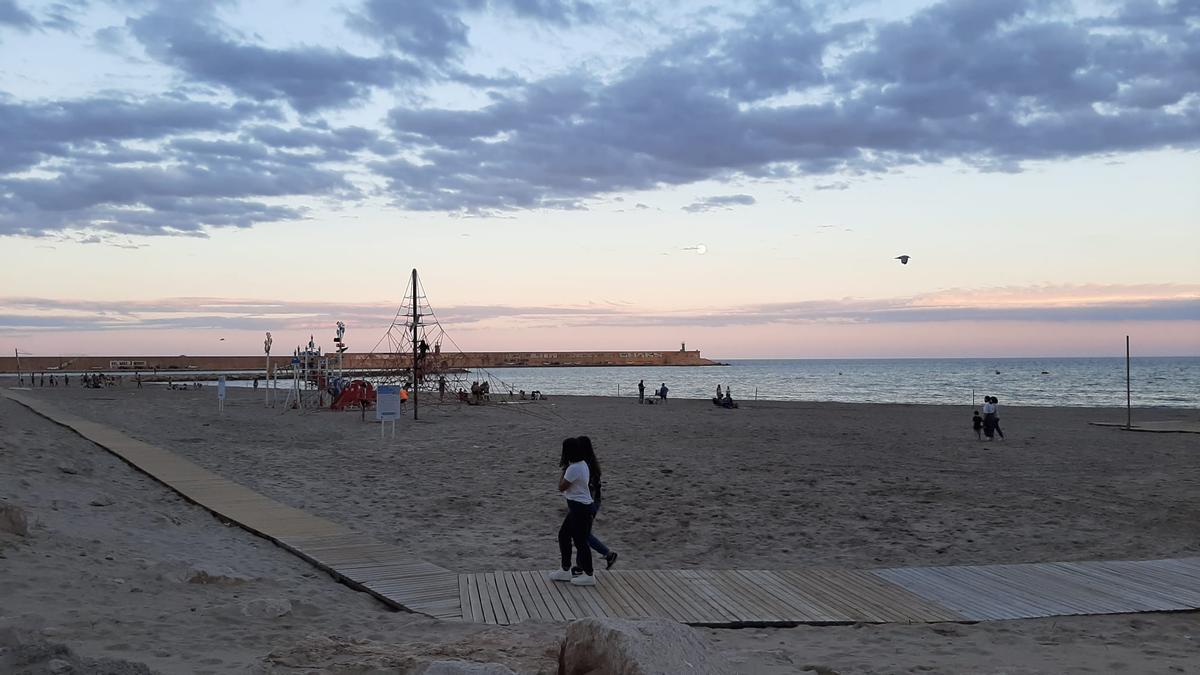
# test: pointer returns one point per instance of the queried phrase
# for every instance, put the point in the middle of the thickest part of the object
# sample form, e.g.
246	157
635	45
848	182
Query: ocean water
1156	381
1098	382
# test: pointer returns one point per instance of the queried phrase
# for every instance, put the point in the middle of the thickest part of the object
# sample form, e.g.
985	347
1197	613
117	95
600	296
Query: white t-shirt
578	475
988	408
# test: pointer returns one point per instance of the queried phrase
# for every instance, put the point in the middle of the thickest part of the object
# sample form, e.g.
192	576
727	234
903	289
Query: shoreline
498	398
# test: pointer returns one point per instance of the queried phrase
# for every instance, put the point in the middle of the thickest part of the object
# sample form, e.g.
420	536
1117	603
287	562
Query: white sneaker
560	575
584	580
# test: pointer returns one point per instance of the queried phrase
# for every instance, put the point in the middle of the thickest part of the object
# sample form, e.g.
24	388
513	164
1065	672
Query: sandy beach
105	569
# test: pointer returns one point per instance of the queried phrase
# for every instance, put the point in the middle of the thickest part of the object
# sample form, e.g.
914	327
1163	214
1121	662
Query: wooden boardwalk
697	597
383	570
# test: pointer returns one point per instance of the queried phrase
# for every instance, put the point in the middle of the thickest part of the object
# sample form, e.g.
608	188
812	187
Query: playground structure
409	355
412	351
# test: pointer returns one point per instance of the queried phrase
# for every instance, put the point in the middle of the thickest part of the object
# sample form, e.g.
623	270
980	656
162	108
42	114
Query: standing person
662	393
594	487
66	380
403	399
641	391
138	378
996	416
989	418
719	396
578	523
977	425
442	387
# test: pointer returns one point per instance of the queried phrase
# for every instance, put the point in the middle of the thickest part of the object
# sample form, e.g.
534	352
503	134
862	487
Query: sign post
387	407
221	394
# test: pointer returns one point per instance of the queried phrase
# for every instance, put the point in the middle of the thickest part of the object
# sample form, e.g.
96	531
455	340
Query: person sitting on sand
977	425
577	525
728	402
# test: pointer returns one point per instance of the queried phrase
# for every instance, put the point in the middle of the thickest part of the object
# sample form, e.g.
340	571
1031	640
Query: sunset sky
603	175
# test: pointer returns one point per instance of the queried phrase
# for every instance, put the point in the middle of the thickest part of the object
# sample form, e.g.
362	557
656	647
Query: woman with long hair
577	525
594	486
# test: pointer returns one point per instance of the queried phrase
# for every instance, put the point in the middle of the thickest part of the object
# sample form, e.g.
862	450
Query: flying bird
221	340
903	259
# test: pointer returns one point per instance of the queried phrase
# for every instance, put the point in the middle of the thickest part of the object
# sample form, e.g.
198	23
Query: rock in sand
647	647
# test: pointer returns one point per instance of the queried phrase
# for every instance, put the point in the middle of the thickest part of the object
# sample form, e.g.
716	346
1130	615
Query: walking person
594	487
977	425
577	525
989	418
996	416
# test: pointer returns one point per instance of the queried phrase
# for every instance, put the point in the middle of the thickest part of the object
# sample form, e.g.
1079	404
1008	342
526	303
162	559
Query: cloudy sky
577	174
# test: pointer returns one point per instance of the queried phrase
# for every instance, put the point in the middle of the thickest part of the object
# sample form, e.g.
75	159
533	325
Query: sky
179	177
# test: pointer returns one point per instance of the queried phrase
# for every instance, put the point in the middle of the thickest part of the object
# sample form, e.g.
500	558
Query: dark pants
594	541
575	530
996	426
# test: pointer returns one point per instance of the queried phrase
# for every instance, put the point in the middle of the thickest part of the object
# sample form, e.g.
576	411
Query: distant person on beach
403	399
719	396
662	392
442	388
641	391
996	416
256	383
610	556
577	525
138	378
977	425
989	418
66	380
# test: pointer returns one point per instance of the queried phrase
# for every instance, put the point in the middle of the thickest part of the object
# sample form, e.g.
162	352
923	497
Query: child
977	424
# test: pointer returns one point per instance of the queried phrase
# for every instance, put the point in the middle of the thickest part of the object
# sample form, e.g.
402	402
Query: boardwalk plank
651	592
536	602
558	607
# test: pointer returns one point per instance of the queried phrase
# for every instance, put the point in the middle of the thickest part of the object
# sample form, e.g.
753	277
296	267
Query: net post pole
415	318
1128	390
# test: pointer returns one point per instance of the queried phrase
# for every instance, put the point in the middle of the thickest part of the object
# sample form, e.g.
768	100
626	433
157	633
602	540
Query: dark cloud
835	185
436	32
719	202
61	15
308	78
12	15
32	132
89	177
991	84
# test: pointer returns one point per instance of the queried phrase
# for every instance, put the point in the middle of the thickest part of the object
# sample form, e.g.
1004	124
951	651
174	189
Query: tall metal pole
1128	390
415	318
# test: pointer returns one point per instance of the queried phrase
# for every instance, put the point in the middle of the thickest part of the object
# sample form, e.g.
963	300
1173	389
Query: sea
1100	382
1086	382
